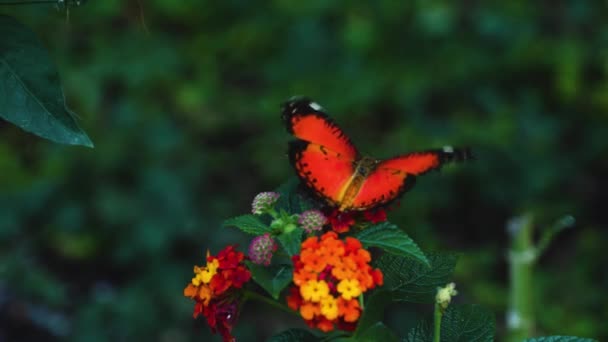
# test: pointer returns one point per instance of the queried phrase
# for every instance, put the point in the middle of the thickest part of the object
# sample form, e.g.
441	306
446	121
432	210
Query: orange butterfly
328	163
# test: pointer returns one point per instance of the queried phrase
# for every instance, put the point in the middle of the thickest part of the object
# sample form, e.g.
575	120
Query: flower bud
312	221
263	202
261	249
445	294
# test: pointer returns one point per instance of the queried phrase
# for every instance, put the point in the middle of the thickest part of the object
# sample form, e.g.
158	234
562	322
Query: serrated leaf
31	96
249	224
294	335
466	323
273	279
460	323
422	332
292	241
391	239
560	339
412	281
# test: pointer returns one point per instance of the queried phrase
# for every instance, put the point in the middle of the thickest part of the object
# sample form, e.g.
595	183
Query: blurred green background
181	99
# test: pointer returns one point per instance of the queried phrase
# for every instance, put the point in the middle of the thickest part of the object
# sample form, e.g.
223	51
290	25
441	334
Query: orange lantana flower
329	276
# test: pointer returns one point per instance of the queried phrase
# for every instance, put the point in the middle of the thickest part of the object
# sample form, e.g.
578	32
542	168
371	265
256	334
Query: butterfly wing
393	177
307	121
324	172
323	156
418	163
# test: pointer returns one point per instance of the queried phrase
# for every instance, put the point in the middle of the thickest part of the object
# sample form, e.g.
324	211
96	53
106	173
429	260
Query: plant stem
256	296
437	322
522	257
273	213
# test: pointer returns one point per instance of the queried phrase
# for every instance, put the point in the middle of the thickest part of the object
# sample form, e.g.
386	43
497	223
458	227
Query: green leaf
249	224
292	200
377	332
465	323
292	241
273	279
412	281
374	311
391	239
460	323
422	332
560	339
31	96
294	335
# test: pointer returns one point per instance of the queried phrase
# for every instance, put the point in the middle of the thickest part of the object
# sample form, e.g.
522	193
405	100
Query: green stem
437	322
256	296
522	257
361	302
272	212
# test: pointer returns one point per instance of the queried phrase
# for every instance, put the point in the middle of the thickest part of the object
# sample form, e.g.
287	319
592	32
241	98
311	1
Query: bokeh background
181	99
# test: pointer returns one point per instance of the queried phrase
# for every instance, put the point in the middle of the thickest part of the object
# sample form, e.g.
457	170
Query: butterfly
332	168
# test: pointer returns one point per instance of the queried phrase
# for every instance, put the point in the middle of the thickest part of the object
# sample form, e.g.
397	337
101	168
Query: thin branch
550	233
142	17
37	2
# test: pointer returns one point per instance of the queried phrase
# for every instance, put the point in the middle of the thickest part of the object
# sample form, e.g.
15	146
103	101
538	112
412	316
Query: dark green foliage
391	239
412	281
293	199
290	241
377	332
374	311
560	339
249	224
460	323
294	335
272	278
31	95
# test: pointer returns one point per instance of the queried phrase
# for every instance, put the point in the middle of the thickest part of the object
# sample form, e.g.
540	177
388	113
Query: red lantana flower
375	215
341	221
215	289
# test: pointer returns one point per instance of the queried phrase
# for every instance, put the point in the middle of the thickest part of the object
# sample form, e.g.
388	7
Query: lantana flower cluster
214	288
329	276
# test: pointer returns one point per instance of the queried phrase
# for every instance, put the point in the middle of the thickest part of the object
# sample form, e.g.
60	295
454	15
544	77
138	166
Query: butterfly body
349	192
331	167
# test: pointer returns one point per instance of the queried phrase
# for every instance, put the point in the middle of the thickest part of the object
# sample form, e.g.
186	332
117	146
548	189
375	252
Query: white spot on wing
315	106
448	149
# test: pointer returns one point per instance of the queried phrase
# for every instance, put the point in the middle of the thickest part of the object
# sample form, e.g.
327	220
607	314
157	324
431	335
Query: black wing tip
458	155
299	105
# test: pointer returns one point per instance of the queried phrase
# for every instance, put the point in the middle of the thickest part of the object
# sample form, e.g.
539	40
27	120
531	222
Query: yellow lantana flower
329	307
314	290
349	288
204	274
